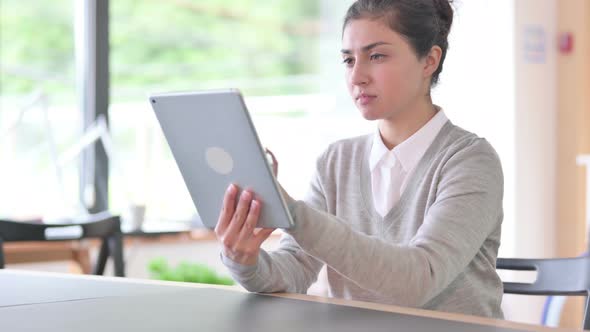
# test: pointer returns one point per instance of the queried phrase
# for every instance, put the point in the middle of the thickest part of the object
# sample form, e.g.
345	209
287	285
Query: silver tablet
214	143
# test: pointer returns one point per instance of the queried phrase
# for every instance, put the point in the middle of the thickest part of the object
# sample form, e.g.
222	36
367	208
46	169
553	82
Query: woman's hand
236	227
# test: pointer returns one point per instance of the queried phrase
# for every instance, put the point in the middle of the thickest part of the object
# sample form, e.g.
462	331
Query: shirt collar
378	150
410	151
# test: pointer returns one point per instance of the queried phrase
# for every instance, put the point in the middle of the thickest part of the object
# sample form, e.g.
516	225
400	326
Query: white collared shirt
390	169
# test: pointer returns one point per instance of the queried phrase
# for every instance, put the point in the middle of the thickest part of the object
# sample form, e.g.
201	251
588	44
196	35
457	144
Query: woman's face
383	74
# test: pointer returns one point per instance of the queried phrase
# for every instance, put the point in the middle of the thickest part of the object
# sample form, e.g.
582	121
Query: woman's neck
396	129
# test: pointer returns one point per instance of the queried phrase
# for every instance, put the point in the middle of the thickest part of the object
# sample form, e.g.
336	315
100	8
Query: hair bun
445	13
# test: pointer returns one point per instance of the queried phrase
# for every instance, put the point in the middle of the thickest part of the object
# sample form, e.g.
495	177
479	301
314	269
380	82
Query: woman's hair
423	23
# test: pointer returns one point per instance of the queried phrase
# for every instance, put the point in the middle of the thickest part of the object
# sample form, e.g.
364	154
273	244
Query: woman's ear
432	60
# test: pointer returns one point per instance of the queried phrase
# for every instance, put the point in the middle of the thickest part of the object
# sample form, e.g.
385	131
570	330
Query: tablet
214	144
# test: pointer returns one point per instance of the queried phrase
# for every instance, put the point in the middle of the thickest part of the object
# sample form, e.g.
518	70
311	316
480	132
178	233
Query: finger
240	214
261	234
227	208
272	155
275	163
251	220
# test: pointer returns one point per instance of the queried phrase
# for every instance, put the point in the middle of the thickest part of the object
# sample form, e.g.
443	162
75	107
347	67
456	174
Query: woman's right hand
236	228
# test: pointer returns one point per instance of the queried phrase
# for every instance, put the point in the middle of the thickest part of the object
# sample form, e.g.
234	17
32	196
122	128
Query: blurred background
77	134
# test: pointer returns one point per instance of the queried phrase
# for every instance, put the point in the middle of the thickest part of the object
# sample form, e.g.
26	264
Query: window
39	119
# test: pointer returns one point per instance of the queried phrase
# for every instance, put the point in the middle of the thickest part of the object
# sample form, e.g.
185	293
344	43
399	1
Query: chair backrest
98	225
555	276
102	225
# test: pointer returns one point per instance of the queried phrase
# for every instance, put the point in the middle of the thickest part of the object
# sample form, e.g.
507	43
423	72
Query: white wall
536	120
535	139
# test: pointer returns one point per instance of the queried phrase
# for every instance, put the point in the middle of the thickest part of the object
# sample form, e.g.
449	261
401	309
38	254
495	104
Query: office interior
78	136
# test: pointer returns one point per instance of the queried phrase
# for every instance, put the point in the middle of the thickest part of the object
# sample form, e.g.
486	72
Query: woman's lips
364	99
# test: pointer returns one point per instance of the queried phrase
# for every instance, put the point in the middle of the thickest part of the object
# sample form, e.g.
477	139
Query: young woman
409	215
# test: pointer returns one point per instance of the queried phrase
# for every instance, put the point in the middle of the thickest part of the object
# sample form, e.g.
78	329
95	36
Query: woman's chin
370	116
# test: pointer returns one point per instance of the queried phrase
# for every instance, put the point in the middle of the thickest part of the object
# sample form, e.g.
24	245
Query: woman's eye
347	61
377	56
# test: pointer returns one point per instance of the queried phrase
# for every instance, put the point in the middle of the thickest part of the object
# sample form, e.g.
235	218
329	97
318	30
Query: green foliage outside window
177	44
186	272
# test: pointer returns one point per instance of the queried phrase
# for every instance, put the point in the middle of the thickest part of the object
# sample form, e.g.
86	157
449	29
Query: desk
59	302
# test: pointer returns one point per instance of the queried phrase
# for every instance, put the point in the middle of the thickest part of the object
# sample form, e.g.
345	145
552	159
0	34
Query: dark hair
423	23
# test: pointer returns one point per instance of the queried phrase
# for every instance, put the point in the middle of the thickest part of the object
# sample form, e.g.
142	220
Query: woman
409	215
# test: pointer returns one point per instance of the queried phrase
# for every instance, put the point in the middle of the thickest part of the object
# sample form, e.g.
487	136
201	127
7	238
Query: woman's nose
358	75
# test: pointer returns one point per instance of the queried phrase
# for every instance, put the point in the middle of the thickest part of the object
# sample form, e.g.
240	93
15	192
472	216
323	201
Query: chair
101	225
555	276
